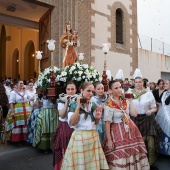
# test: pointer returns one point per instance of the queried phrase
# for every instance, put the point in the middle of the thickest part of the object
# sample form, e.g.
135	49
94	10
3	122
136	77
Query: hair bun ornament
109	75
119	75
137	73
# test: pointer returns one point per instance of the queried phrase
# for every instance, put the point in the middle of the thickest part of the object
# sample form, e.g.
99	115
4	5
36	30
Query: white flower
87	72
80	72
85	66
44	77
79	79
58	77
73	68
66	67
95	71
47	70
100	78
64	79
55	68
80	68
94	75
77	72
78	64
63	73
88	75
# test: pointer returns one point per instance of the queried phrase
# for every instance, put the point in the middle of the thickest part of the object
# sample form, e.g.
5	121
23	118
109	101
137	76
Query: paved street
25	157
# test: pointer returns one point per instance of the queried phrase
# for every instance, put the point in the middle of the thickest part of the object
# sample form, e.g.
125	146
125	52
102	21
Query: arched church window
119	26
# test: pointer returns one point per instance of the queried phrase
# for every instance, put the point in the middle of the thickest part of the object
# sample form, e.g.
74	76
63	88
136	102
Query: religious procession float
52	81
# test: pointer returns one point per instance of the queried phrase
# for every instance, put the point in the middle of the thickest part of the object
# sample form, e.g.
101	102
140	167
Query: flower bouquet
78	74
43	81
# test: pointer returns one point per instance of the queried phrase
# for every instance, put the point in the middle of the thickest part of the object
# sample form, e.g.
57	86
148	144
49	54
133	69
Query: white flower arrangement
43	81
78	73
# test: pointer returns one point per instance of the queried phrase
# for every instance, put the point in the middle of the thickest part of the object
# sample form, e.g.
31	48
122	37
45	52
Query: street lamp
105	50
39	57
51	47
81	57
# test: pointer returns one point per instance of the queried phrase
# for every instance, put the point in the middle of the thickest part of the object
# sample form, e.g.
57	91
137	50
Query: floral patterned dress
163	119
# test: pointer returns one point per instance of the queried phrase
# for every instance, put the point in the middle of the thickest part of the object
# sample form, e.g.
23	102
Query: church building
26	25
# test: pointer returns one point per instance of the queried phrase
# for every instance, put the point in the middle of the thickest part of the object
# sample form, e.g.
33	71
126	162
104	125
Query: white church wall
153	64
115	61
101	34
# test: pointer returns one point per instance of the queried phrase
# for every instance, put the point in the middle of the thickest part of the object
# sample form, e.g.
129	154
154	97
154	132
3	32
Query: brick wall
80	13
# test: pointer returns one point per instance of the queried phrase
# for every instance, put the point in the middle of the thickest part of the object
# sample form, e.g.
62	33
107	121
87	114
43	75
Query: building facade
97	22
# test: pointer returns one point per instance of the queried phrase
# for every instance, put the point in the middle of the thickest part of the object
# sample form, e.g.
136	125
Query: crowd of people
123	128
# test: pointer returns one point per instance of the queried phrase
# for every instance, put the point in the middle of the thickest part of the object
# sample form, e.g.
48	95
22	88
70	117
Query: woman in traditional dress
152	86
159	92
124	147
31	94
145	120
63	132
46	124
3	104
31	127
100	98
163	119
19	112
66	42
84	150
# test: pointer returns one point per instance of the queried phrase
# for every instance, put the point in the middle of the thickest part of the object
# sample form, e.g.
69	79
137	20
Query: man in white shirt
7	87
125	87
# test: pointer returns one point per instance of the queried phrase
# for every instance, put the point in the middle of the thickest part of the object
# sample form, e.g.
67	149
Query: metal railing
154	45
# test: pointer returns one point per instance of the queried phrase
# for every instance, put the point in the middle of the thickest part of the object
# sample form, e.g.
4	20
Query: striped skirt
129	149
148	126
61	139
31	124
18	125
45	127
84	152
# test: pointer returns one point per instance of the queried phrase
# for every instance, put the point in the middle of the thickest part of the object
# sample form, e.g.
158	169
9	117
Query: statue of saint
68	42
